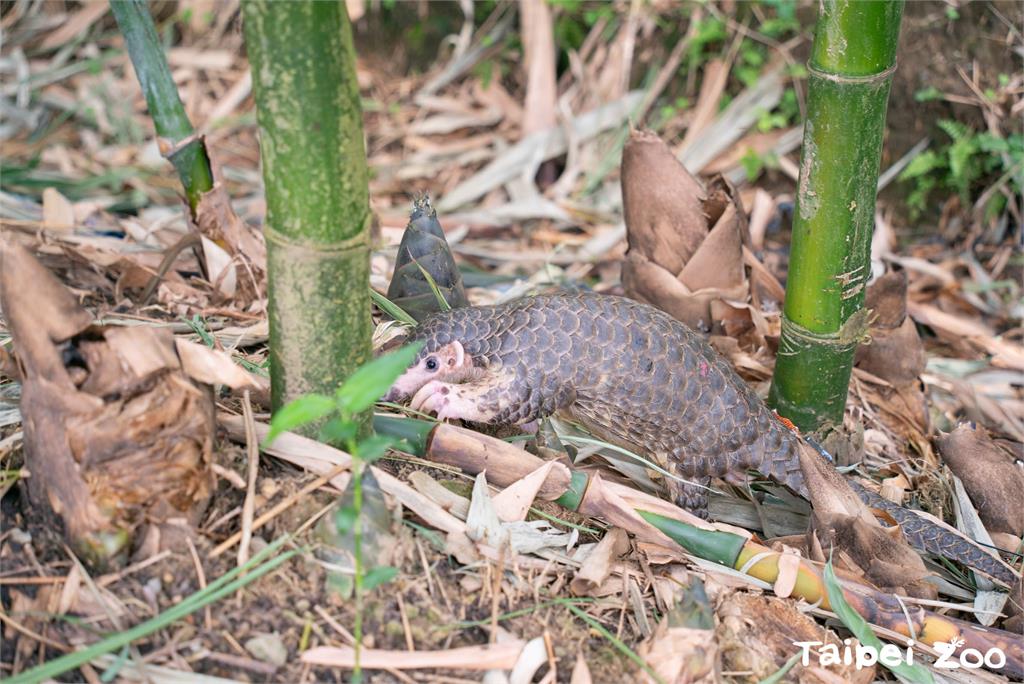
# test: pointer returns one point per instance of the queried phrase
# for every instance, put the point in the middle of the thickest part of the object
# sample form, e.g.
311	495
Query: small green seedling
339	419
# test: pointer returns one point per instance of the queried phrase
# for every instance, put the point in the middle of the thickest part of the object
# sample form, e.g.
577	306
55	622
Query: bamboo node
169	149
357	242
868	79
852	333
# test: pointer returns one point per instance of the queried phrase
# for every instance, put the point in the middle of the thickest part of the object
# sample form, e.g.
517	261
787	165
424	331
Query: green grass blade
225	585
438	295
617	643
912	674
777	676
391	309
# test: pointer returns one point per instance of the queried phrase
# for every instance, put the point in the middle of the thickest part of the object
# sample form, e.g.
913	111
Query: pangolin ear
458	355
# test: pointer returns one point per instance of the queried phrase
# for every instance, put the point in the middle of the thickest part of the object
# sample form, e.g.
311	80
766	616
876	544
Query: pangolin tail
922	533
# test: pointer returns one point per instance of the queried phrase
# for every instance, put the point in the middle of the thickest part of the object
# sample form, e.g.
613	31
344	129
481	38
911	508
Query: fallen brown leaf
992	478
217	221
598	563
118	438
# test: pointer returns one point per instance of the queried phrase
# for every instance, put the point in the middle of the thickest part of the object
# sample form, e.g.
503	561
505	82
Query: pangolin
632	375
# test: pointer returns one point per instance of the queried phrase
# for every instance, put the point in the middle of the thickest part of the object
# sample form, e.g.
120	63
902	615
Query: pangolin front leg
487	400
692	495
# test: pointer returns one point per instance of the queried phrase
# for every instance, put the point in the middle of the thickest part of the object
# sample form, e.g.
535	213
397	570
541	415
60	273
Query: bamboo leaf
413	432
913	674
373	379
303	411
441	301
390	308
374	446
338	431
379	576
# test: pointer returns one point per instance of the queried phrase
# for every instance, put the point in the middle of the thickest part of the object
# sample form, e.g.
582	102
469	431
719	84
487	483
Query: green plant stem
851	67
314	170
617	643
357	555
169	118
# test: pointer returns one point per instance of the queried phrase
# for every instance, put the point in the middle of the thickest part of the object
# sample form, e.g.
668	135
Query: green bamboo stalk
314	170
169	118
851	67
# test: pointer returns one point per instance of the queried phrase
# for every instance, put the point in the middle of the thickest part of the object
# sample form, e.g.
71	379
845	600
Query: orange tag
787	422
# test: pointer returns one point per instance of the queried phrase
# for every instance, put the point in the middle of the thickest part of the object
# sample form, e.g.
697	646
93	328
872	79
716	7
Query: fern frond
954	129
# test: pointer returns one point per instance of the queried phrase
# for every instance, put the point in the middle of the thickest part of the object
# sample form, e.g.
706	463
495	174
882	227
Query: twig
170	256
111	614
308	522
233	642
552	660
242	662
223	519
31	581
107	580
783	49
668	70
427	572
405	622
462	63
890	173
351	640
230	475
253	460
497	571
279	508
201	577
32	635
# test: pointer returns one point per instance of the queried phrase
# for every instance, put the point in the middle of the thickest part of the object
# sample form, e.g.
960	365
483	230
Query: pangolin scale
633	375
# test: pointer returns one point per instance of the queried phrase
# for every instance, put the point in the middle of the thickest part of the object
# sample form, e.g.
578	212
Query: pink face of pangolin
449	363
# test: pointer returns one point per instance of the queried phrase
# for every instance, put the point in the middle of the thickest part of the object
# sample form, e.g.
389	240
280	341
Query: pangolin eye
431	363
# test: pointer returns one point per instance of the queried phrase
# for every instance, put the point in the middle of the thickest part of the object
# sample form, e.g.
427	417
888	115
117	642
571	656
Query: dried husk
841	522
992	479
683	648
242	275
685	240
118	439
895	352
757	634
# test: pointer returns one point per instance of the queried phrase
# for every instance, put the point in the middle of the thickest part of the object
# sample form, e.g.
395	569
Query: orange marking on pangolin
787	422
